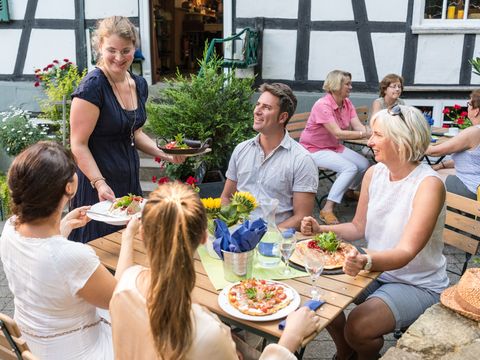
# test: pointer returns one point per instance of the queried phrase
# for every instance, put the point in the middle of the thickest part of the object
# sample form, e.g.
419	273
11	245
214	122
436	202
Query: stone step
147	187
150	168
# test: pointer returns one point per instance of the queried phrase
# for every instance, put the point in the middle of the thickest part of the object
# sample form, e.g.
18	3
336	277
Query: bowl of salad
181	146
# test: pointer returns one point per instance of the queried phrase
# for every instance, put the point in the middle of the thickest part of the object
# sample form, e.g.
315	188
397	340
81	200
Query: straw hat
464	297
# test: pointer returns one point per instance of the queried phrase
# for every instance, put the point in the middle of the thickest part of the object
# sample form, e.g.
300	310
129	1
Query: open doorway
178	31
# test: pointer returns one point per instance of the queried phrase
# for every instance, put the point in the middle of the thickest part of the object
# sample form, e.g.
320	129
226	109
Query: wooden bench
462	226
12	346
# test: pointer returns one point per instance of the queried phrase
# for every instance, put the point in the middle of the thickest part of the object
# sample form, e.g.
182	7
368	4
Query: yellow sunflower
245	199
212	205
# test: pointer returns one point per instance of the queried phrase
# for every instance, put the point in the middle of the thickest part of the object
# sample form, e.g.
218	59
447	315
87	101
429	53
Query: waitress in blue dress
106	119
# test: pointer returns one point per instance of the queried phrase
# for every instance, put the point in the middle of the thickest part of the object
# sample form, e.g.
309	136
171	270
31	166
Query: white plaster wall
16	9
46	45
476	53
332	10
55	9
95	9
334	50
284	9
388	50
10	40
386	10
438	59
279	48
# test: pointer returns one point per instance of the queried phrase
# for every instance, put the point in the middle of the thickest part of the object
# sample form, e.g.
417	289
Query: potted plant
214	105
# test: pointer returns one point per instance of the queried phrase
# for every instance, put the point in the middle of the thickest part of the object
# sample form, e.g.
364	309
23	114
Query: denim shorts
406	302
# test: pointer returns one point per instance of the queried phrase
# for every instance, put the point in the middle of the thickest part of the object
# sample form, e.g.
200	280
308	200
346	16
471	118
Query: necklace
123	103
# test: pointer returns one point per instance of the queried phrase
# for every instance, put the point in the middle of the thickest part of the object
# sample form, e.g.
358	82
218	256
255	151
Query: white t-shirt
44	275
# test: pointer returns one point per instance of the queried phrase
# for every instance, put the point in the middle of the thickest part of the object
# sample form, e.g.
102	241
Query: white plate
99	212
447	134
225	305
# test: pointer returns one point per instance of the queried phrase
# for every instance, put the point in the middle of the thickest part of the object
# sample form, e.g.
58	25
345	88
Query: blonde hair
113	25
335	80
174	222
412	136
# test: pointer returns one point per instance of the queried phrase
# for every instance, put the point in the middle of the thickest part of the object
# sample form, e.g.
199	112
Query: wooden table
337	290
436	130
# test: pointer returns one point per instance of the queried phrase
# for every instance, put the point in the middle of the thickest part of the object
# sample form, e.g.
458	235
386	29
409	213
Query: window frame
441	26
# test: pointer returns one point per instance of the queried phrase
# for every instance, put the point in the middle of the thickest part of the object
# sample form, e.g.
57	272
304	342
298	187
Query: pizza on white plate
259	297
327	245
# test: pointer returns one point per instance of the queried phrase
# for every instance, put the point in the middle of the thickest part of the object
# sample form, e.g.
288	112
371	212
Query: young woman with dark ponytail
154	314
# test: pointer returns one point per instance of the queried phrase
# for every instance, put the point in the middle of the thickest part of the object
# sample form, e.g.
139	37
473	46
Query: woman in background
106	119
391	87
57	284
465	151
333	118
154	314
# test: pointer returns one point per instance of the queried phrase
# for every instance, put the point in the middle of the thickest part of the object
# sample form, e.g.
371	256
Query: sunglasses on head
397	111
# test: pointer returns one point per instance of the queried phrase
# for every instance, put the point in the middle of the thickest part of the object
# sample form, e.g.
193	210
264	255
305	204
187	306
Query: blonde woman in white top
401	215
154	315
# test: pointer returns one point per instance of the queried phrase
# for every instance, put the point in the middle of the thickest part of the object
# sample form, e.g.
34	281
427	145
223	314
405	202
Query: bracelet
94	181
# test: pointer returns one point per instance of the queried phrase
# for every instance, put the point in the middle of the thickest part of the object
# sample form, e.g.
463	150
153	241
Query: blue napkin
312	304
244	238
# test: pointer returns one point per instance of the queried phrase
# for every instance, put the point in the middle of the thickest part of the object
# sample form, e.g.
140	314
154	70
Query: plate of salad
118	212
181	146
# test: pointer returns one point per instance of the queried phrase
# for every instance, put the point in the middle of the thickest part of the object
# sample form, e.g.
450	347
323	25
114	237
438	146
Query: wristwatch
368	264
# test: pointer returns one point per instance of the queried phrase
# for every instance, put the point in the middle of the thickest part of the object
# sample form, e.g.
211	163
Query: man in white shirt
272	165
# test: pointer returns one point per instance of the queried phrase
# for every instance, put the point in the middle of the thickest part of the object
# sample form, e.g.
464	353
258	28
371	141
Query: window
446	16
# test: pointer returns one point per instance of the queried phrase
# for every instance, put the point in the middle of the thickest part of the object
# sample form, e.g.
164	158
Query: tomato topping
263	282
282	296
264	309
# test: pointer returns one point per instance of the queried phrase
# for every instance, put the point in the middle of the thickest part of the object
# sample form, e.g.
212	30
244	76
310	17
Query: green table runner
214	269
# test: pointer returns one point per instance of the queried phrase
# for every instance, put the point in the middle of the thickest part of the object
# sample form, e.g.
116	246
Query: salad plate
186	147
102	211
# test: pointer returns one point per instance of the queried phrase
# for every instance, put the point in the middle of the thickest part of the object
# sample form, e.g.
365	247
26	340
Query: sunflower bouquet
239	209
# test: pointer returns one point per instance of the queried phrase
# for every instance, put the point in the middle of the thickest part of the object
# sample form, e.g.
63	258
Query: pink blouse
316	137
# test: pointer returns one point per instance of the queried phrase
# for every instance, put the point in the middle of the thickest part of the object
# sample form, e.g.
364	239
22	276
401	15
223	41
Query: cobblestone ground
320	348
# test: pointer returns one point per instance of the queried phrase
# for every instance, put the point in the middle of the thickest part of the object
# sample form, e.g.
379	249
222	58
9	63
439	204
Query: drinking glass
287	247
314	263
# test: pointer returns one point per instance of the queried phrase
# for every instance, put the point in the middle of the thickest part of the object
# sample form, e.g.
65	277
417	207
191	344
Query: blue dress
110	145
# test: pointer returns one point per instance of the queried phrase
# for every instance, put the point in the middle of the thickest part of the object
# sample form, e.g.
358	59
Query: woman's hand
300	324
174	159
132	227
104	191
73	220
309	226
354	263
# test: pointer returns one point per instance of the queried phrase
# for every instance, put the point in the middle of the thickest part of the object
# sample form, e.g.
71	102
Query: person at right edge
401	215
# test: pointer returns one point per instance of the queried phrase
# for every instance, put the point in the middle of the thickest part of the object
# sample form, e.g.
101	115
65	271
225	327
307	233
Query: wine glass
287	247
314	263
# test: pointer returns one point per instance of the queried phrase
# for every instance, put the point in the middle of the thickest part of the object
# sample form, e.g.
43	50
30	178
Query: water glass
314	263
287	247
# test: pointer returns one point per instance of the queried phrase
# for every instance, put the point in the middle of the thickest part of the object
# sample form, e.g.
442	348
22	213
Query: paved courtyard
322	347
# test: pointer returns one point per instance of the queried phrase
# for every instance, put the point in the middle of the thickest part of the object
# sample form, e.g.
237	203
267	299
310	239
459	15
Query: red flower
37	70
457	107
49	66
37	84
164	180
445	126
446	110
63	67
66	60
154	179
191	181
460	121
157	159
45	68
464	113
55	61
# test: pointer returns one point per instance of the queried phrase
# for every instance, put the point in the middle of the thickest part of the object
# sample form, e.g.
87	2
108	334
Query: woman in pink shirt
333	118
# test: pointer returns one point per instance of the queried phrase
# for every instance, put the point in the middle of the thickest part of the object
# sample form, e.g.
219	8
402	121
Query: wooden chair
462	226
362	113
295	127
12	346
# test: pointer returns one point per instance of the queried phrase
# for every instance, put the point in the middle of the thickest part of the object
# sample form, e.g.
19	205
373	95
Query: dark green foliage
215	105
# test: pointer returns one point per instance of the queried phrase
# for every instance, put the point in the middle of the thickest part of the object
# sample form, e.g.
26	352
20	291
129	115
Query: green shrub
4	196
215	105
